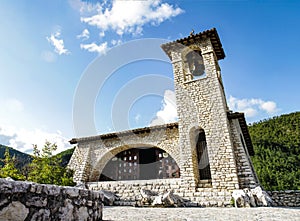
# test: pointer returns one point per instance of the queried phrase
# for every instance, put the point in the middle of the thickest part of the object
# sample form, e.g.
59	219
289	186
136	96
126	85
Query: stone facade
202	112
92	153
30	201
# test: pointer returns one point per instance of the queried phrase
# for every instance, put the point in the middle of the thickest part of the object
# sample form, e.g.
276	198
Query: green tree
9	169
276	144
46	167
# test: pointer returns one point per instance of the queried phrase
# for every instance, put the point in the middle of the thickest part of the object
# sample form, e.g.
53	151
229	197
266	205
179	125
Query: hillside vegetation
21	158
276	144
40	167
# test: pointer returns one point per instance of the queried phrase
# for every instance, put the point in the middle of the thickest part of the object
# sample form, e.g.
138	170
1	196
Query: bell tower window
193	65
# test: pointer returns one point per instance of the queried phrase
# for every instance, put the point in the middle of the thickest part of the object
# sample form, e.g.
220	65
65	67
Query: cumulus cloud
129	17
168	112
23	139
12	132
85	34
252	107
93	47
58	43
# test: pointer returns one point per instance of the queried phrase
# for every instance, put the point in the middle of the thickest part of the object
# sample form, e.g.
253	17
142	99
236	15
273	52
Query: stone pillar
80	163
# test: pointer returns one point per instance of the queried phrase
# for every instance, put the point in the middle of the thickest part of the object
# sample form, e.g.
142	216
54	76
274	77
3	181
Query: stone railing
290	198
32	201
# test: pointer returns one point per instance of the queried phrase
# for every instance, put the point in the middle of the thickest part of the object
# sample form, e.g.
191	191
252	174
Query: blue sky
46	47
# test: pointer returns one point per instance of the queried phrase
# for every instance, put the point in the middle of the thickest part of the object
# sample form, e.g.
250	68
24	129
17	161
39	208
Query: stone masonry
21	201
201	106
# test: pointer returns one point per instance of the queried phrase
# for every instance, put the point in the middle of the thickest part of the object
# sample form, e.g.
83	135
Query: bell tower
205	139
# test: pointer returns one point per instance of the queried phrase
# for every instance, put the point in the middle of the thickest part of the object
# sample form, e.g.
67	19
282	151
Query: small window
194	65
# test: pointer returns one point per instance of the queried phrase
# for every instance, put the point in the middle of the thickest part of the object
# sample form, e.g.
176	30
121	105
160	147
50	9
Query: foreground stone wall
30	201
290	198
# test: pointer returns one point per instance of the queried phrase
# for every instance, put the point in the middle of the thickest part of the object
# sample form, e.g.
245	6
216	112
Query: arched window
202	154
140	164
194	65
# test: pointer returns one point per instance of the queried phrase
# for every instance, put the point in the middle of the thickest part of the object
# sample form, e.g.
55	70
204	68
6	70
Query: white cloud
23	140
13	122
129	17
85	34
269	106
93	47
85	7
252	107
168	112
57	43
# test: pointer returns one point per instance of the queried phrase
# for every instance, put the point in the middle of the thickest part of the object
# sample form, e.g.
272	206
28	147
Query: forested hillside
276	144
21	159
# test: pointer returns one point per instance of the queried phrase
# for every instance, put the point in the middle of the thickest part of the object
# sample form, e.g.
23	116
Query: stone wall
129	191
290	198
246	173
31	201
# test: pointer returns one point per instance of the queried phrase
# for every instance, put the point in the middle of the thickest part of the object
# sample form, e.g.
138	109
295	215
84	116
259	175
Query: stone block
15	211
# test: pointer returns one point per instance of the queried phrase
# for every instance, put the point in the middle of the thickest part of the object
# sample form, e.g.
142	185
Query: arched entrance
142	163
198	141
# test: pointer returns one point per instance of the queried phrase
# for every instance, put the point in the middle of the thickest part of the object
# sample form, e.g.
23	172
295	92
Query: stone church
203	157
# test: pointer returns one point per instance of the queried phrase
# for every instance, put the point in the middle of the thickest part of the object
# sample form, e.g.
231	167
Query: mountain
276	144
21	158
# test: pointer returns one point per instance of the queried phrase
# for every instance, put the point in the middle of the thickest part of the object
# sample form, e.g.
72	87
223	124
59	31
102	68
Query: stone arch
200	152
107	157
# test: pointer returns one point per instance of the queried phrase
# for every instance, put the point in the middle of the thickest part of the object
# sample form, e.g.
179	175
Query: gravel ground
191	214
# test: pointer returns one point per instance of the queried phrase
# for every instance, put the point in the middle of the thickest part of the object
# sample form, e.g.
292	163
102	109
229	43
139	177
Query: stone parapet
31	201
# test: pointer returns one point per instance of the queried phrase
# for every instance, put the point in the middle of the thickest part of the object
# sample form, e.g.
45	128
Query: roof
124	133
212	34
245	131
